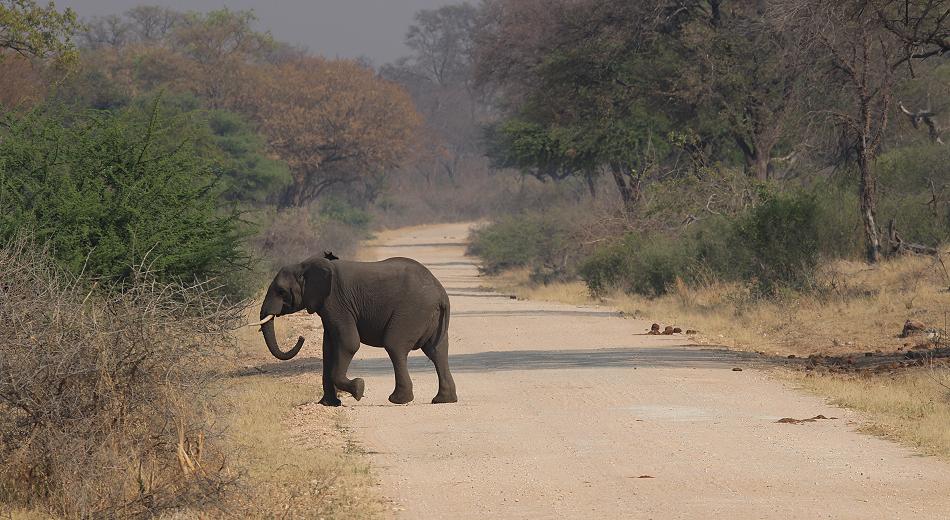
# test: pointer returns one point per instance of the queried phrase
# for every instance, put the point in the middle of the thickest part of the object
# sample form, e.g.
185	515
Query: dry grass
859	309
295	456
126	404
517	282
912	407
104	403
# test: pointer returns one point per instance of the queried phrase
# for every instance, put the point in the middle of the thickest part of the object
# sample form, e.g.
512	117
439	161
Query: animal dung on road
669	330
789	420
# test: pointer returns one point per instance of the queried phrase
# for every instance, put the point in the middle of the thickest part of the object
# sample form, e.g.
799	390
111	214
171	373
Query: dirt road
570	412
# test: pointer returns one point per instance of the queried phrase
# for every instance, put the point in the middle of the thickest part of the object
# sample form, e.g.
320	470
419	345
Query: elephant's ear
317	279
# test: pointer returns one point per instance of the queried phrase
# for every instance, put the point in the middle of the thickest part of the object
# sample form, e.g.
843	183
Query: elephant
396	304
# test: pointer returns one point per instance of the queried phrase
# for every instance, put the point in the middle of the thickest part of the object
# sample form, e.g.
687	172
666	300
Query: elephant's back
416	276
401	276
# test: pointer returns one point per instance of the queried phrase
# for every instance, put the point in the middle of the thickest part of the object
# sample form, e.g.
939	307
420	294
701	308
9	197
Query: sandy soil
572	412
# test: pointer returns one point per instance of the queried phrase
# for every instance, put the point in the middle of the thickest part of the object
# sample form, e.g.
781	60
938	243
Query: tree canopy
33	30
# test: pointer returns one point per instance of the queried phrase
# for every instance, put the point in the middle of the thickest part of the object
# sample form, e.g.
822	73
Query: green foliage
247	173
530	147
339	210
640	264
773	246
839	229
776	243
913	192
535	240
110	191
909	169
236	152
30	29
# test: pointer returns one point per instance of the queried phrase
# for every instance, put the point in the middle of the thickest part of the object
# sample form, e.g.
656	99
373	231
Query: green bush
840	233
773	245
236	153
637	264
339	210
908	177
536	240
109	191
777	244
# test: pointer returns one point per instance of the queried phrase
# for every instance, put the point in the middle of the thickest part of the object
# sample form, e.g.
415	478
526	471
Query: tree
442	44
922	26
744	75
207	54
237	155
31	30
334	122
439	77
856	62
152	23
584	94
219	45
21	83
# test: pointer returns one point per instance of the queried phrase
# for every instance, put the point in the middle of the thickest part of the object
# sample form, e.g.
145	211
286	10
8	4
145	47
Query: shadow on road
677	357
588	314
434	244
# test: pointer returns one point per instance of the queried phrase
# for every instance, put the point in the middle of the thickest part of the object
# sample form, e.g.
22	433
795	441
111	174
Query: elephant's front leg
346	341
329	390
403	392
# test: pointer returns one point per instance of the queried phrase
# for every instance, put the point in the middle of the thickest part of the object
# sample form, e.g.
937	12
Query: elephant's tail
442	333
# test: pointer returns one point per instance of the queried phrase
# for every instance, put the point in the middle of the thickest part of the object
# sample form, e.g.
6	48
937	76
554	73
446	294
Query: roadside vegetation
146	194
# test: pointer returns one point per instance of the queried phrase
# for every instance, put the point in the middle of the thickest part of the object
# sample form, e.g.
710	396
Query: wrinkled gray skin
396	304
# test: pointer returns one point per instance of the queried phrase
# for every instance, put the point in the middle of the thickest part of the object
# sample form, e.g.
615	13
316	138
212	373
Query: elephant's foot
401	396
445	397
358	387
330	401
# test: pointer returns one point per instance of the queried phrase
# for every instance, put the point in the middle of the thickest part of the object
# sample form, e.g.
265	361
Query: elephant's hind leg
440	358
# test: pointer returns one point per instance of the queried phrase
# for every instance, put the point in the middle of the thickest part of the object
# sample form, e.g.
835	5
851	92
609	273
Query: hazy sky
334	28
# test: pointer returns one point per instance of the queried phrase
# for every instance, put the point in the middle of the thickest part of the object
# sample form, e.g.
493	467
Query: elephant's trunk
270	338
268	315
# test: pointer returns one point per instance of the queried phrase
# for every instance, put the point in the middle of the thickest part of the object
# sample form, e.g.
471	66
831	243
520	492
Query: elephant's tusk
262	322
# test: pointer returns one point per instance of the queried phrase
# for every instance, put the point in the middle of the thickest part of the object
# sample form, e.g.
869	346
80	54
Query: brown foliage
21	82
294	234
103	406
333	121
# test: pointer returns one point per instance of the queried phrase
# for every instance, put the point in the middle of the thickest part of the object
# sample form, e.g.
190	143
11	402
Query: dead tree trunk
897	246
867	188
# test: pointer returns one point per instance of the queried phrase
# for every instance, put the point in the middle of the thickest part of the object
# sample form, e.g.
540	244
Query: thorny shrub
104	406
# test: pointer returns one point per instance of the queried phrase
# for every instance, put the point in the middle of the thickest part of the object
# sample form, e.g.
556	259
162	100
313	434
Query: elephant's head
296	287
